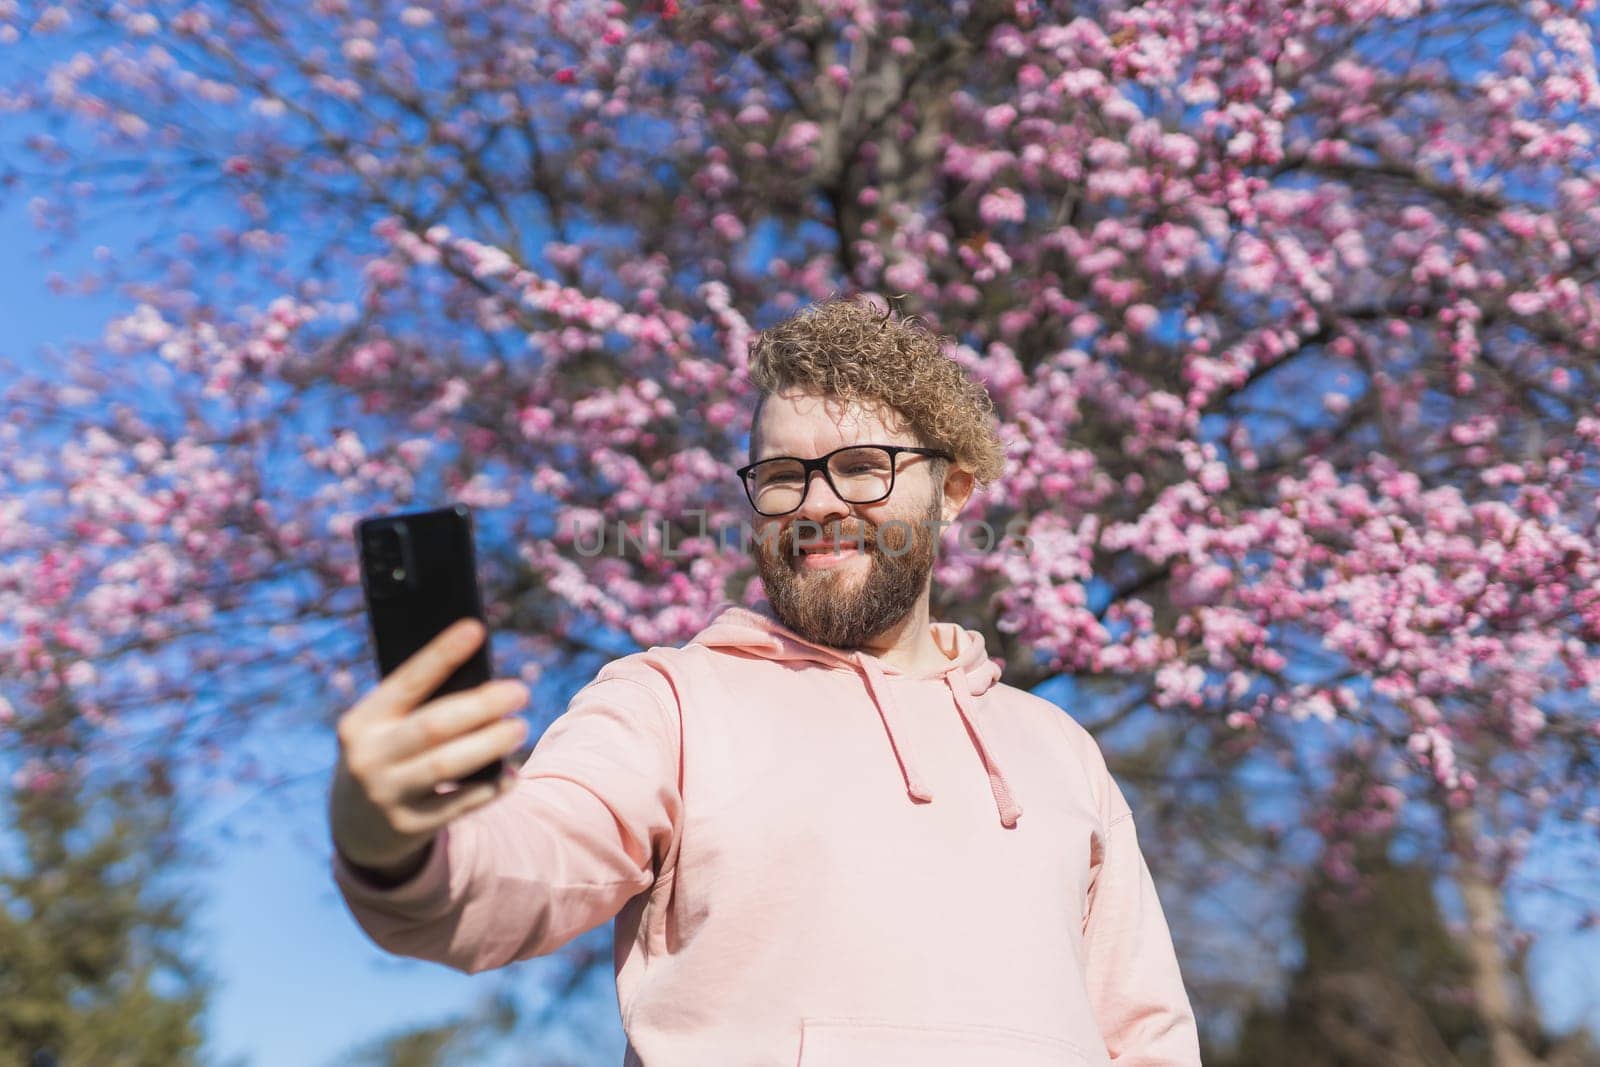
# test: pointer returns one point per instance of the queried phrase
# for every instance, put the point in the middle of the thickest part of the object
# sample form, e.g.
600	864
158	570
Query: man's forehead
796	420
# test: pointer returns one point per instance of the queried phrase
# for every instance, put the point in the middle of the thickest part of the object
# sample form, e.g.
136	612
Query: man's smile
822	557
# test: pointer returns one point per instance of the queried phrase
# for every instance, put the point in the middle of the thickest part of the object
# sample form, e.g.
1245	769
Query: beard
828	607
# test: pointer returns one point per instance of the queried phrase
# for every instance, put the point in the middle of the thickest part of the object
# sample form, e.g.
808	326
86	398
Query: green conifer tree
92	970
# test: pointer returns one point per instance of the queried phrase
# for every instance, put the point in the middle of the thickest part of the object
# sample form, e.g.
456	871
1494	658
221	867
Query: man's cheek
894	538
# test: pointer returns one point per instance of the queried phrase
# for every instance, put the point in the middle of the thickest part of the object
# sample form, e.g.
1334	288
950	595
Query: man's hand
383	809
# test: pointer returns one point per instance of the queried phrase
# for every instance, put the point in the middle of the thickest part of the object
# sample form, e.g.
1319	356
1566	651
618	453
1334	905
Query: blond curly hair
853	349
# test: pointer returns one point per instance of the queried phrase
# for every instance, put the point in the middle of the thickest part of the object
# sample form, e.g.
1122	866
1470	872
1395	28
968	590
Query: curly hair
855	350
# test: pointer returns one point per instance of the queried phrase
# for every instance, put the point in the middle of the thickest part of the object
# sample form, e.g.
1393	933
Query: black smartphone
419	574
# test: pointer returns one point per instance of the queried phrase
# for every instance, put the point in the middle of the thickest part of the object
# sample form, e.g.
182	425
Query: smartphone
419	574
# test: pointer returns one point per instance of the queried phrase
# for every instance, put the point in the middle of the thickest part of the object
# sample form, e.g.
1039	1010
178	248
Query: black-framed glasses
857	474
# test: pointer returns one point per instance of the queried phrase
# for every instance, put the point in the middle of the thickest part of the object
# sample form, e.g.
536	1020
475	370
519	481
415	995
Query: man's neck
909	644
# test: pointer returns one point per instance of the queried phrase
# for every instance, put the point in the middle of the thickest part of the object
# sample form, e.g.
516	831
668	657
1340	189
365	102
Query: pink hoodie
815	858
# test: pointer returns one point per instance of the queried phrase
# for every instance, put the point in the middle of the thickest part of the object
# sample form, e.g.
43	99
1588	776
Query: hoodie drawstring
889	710
1004	802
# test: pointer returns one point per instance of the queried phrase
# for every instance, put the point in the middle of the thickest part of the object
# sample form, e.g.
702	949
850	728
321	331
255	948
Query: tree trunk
1491	967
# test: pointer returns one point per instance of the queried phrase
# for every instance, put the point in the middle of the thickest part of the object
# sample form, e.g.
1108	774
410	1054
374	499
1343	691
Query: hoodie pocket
853	1042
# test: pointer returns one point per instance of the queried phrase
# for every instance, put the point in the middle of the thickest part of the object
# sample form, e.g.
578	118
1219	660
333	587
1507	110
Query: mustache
860	532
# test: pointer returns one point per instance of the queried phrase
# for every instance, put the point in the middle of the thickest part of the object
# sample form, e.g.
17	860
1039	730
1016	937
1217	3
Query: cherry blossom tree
1288	308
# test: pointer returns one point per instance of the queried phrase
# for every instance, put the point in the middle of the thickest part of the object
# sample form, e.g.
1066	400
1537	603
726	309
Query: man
828	834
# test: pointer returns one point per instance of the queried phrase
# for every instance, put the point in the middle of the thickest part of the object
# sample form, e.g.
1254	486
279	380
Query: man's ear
958	483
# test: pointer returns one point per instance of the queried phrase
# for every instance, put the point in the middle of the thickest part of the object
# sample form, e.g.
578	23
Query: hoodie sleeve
594	812
1131	968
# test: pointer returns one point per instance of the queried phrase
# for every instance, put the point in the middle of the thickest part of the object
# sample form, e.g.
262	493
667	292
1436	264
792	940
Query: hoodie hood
969	674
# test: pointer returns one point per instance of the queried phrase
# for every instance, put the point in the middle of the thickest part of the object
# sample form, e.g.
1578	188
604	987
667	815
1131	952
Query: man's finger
434	812
409	684
445	807
447	718
418	777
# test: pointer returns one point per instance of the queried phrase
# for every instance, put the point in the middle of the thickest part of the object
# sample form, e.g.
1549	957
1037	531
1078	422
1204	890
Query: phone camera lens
388	560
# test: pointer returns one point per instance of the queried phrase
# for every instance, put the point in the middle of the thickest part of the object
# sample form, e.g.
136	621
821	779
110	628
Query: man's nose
821	504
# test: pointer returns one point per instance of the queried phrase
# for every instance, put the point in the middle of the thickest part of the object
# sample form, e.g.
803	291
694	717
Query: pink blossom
1002	205
1141	318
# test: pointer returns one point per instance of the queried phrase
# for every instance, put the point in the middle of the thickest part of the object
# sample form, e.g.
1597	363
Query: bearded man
828	833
